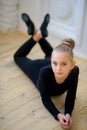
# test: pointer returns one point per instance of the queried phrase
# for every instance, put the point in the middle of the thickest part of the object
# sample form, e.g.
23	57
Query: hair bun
69	42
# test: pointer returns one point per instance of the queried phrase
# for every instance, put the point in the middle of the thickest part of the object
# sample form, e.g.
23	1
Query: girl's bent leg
30	67
25	48
22	61
46	47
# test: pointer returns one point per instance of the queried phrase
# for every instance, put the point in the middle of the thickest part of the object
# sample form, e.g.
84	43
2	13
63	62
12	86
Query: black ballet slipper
44	25
28	22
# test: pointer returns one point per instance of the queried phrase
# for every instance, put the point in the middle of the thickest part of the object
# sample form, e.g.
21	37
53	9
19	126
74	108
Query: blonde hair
67	45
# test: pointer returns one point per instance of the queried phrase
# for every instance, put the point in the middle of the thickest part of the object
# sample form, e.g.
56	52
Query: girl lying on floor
53	75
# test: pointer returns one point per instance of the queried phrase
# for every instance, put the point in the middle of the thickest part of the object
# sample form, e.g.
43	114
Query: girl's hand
65	121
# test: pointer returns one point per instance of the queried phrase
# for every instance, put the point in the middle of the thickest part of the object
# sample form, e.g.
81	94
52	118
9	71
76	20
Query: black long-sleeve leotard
48	87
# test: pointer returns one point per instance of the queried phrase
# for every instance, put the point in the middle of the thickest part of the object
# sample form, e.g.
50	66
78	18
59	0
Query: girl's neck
59	81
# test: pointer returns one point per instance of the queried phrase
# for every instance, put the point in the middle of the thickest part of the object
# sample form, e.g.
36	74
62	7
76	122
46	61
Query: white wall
9	14
68	19
81	49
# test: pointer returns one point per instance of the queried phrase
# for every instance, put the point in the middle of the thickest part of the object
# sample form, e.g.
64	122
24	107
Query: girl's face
61	64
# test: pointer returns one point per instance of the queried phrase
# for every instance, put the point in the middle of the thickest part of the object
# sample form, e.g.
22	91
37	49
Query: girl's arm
44	92
71	93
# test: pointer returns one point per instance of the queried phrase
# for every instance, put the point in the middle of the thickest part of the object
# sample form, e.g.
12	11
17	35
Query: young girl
53	75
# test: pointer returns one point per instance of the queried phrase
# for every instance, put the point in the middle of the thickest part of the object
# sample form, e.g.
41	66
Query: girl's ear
73	64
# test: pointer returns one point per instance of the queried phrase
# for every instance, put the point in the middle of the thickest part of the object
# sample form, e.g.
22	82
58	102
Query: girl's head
62	58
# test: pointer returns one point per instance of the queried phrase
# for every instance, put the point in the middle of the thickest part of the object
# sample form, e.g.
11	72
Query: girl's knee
15	58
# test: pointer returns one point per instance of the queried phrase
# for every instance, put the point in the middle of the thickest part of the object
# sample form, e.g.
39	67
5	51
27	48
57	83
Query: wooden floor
20	104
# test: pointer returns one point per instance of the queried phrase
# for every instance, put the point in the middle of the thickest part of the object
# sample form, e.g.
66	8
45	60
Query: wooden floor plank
36	120
20	113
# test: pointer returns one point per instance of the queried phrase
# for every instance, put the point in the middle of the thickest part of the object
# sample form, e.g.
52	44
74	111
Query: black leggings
32	67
